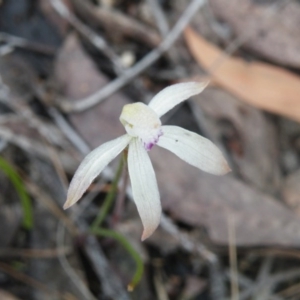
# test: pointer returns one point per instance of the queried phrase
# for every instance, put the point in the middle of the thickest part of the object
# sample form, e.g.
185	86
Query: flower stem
108	199
97	230
134	254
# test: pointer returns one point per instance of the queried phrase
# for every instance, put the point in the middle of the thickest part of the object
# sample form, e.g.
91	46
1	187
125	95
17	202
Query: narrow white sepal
92	165
144	187
193	149
172	95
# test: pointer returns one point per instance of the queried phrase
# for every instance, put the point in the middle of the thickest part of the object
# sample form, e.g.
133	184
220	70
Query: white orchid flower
144	130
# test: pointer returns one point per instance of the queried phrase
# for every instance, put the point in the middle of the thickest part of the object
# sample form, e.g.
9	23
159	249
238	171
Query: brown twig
159	285
69	132
17	42
46	200
6	49
263	275
288	253
31	282
271	280
94	38
74	277
164	28
113	20
25	143
148	60
160	17
216	279
110	283
23	112
233	258
34	253
34	147
293	290
242	39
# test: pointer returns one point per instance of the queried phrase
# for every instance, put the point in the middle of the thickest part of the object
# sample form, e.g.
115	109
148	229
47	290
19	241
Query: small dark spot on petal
176	141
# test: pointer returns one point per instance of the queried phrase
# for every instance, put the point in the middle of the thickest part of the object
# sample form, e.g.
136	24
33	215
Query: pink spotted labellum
144	130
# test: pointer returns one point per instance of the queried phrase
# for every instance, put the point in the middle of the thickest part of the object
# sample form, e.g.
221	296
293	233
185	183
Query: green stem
108	201
18	184
122	240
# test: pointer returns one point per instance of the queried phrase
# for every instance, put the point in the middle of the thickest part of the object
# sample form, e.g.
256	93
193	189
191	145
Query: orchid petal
92	165
144	187
172	95
193	149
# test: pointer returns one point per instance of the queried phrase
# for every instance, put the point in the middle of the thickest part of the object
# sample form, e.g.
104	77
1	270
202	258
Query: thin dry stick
3	144
239	41
271	280
185	240
264	273
87	32
75	138
292	290
163	26
110	284
58	167
277	252
23	142
234	282
244	281
46	200
119	22
69	131
249	285
34	147
121	81
34	253
14	41
98	41
23	112
159	286
149	59
60	236
217	289
159	16
31	281
77	281
6	49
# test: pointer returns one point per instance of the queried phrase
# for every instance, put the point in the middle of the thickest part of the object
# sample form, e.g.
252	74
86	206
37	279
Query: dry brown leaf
260	84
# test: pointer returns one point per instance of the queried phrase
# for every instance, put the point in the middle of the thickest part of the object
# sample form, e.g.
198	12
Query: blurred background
67	67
